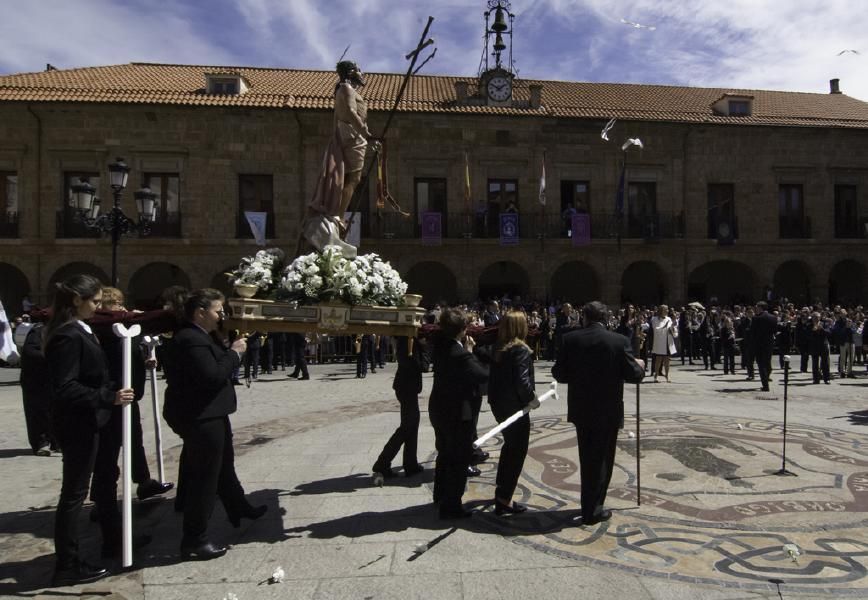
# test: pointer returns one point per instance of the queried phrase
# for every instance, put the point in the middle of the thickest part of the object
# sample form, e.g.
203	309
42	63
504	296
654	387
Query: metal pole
783	470
638	452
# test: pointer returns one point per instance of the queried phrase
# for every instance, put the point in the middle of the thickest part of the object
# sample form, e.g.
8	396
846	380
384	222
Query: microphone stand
783	470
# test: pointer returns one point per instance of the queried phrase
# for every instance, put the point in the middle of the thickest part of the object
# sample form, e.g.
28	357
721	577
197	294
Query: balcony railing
660	225
795	228
68	227
9	225
857	230
168	227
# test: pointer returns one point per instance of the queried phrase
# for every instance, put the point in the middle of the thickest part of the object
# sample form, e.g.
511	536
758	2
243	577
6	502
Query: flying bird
632	142
605	133
847	52
638	25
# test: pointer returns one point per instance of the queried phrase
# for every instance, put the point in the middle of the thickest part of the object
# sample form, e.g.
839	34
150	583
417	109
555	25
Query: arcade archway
644	284
13	288
503	278
434	281
847	283
575	282
792	281
148	283
76	268
726	281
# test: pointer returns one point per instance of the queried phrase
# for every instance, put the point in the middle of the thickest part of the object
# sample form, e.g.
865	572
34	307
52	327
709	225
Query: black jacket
408	377
457	377
203	386
762	330
83	392
596	363
511	382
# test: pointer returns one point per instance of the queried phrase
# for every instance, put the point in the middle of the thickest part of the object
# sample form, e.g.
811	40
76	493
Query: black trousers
209	472
454	443
728	359
512	455
820	365
597	459
79	456
251	360
297	342
37	419
749	358
406	434
803	356
764	365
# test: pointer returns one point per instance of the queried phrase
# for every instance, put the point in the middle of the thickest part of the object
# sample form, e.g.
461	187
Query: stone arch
13	287
434	281
575	282
76	268
503	277
792	280
221	282
644	284
728	281
847	282
148	283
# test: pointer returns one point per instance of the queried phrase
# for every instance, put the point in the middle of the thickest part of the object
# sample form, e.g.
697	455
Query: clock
499	88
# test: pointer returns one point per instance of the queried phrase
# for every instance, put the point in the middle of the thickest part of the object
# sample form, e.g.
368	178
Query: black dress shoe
250	512
386	472
202	551
304	378
479	456
151	488
81	573
515	508
413	470
603	515
455	513
473	471
293	375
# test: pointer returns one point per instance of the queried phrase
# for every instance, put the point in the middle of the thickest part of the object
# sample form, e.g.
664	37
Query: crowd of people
71	369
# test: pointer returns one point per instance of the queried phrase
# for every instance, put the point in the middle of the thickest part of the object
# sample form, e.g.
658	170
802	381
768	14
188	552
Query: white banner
257	221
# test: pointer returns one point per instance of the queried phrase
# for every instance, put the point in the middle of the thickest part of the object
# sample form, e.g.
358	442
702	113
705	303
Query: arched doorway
847	283
503	278
575	282
434	281
792	281
644	284
726	281
13	288
221	282
75	268
148	283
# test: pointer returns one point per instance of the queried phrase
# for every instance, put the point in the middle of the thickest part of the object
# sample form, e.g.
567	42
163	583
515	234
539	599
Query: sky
791	45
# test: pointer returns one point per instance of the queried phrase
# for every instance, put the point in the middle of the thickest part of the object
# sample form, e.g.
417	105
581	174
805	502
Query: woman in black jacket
511	389
81	406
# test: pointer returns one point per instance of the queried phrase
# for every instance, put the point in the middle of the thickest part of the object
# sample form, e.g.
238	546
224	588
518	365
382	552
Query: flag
468	201
508	229
257	221
432	228
581	229
542	182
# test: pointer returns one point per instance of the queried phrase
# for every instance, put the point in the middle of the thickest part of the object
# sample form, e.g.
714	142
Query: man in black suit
297	345
595	363
762	331
457	376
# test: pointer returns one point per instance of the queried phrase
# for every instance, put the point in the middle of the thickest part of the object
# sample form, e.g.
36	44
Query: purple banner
432	228
508	229
581	229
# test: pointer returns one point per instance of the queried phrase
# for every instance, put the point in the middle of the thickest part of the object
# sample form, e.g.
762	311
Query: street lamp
114	222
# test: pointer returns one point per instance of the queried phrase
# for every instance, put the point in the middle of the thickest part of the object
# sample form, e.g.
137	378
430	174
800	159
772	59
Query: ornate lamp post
115	222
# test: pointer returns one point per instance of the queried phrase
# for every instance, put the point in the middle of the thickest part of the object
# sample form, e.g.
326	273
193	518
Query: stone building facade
788	183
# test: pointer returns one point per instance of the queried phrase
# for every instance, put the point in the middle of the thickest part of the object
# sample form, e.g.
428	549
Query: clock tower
496	77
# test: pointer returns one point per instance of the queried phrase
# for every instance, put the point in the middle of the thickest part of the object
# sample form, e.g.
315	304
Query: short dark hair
762	305
201	299
595	311
452	322
344	67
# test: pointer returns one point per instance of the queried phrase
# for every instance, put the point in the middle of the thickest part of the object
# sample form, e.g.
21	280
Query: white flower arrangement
328	275
261	270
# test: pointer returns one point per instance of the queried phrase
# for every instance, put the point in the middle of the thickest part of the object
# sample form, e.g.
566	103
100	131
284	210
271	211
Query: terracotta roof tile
145	83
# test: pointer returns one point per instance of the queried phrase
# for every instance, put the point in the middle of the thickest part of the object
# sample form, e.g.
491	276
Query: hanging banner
257	221
432	228
581	229
508	229
354	235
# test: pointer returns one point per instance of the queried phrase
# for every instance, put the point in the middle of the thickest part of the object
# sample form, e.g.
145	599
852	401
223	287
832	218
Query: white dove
632	142
605	133
638	25
847	51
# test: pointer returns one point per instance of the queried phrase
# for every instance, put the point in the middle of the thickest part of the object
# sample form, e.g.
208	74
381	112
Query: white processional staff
151	343
552	393
127	411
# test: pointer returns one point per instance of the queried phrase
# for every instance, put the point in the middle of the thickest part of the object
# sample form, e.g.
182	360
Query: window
575	199
791	211
255	193
231	84
9	204
167	187
67	226
846	217
721	210
739	108
431	197
502	197
642	209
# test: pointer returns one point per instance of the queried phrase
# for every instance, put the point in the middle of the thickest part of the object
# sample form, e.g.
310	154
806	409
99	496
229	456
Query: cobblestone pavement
712	520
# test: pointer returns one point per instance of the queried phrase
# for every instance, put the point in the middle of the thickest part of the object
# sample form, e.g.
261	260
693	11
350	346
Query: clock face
499	88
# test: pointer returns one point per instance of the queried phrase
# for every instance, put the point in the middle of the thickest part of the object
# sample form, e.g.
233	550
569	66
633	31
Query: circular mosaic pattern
714	508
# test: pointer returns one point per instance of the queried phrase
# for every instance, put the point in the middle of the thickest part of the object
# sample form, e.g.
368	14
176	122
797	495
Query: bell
499	46
499	21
